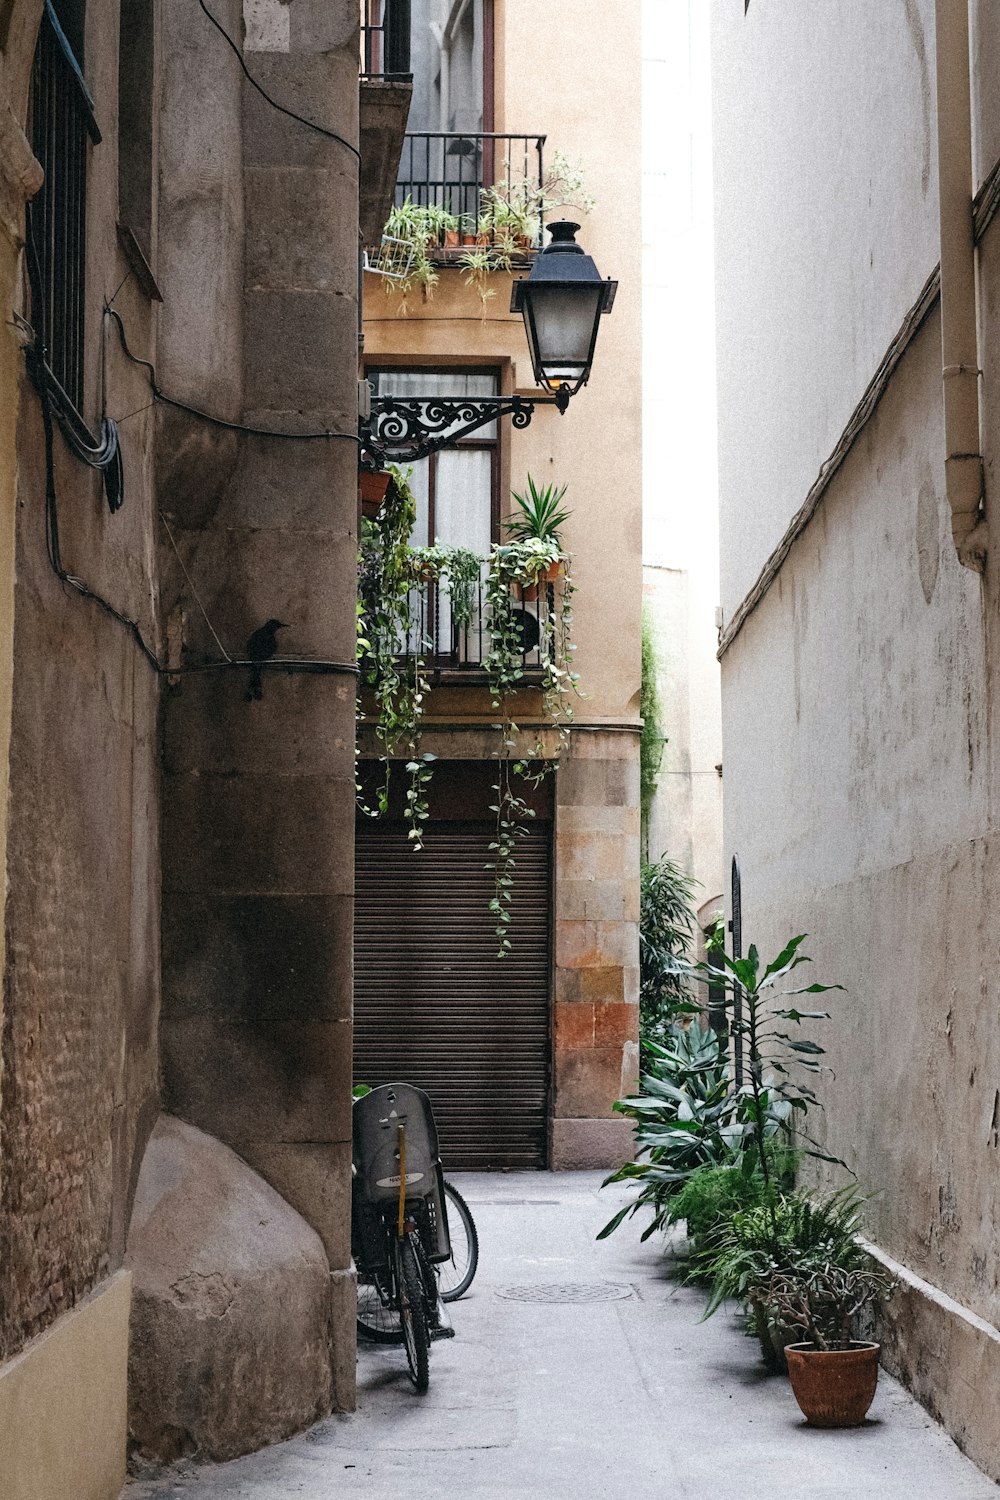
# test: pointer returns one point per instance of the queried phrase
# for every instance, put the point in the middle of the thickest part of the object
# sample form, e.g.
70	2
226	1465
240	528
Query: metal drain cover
570	1291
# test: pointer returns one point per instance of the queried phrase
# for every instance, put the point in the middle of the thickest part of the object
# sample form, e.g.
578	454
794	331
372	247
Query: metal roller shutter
432	1004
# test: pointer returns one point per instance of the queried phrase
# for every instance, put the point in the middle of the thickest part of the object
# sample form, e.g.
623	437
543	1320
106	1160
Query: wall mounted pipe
964	473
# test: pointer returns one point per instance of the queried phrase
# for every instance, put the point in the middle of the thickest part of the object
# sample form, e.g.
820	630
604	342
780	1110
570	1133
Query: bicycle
400	1227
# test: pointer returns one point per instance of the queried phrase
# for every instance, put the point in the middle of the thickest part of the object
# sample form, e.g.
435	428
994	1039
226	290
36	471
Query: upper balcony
482	189
386	89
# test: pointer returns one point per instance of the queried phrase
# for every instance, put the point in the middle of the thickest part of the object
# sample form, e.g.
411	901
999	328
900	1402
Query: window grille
62	121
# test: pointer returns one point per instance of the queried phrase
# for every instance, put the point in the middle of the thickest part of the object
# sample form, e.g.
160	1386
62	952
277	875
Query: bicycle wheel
455	1275
413	1312
378	1316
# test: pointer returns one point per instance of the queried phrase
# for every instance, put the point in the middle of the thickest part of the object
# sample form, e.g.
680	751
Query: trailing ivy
651	738
392	661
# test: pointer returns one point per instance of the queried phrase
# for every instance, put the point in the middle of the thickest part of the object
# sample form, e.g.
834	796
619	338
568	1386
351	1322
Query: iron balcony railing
460	639
490	184
385	40
62	124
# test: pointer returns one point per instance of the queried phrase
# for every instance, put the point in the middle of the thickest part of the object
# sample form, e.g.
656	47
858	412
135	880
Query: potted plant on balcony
537	524
425	227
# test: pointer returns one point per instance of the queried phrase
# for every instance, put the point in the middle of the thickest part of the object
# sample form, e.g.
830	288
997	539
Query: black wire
205	416
310	124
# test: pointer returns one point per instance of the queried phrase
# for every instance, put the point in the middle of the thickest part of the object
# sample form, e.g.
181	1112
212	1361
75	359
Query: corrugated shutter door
432	1004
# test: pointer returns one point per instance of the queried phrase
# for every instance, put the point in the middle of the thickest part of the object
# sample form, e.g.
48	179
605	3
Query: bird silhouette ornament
261	646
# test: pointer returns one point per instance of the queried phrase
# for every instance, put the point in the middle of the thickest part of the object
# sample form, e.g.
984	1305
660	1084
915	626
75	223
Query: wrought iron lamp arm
401	429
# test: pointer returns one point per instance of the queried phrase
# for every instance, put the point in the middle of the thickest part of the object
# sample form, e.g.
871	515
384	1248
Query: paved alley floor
623	1399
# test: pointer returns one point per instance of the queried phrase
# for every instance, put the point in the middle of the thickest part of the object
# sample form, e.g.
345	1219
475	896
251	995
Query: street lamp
561	301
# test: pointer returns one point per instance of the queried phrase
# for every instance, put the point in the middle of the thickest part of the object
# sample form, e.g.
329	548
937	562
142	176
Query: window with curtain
457	490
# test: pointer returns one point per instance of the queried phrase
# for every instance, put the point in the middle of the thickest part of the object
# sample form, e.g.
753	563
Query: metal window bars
62	122
385	40
491	184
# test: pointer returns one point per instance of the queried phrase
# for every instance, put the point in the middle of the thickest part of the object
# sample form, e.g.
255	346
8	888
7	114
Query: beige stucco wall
551	71
63	1404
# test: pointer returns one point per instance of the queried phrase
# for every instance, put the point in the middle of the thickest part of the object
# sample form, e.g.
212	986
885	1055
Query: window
62	125
458	490
135	122
451	60
458	504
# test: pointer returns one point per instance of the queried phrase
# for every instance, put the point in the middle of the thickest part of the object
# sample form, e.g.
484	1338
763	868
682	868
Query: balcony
385	91
461	646
489	189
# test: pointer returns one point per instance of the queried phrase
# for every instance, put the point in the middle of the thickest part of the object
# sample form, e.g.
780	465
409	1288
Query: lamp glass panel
564	318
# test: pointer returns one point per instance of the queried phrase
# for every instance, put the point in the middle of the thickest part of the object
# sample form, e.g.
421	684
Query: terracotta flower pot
373	488
450	238
553	572
834	1387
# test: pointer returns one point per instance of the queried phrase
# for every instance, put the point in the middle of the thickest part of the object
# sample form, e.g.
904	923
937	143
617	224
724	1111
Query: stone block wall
596	973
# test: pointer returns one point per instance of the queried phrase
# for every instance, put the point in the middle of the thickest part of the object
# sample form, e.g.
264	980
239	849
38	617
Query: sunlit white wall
680	477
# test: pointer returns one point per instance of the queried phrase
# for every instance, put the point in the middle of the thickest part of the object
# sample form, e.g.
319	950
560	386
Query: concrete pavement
617	1394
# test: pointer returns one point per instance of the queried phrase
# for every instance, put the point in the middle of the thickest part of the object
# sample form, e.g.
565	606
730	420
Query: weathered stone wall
596	981
259	795
81	984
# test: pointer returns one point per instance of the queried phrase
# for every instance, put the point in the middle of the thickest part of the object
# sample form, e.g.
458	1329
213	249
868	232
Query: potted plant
786	1234
536	525
833	1374
373	488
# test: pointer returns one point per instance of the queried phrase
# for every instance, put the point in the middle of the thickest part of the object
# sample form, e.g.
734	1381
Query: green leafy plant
821	1303
710	1199
683	1122
398	682
717	1122
759	1018
422	227
540	514
516	563
765	1255
666	923
651	736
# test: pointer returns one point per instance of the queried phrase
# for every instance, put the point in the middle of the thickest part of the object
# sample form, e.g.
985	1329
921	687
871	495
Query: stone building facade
856	184
178	303
553	74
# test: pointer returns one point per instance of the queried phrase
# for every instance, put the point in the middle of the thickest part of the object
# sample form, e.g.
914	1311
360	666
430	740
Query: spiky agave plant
540	513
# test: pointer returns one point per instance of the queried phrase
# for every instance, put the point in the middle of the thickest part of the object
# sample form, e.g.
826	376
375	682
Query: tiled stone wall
596	1050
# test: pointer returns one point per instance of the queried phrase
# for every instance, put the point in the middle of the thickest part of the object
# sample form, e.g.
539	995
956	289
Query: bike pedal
442	1333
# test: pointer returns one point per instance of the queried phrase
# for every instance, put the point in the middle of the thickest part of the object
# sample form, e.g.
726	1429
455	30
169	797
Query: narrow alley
581	1369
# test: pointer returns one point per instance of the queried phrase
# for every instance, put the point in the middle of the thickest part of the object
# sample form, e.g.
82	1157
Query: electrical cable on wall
281	108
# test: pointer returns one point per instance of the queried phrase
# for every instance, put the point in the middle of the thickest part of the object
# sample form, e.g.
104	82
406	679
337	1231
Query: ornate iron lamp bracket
403	429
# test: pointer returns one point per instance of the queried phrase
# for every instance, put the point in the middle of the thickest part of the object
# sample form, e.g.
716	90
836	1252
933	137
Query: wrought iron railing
491	185
62	122
452	633
385	40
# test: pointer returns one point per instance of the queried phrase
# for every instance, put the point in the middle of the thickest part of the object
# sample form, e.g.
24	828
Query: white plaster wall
680	476
826	229
858	799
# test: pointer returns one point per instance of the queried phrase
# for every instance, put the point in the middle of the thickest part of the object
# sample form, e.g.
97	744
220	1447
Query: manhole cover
572	1291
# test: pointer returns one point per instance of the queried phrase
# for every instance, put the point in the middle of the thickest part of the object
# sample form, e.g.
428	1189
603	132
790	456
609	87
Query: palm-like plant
540	514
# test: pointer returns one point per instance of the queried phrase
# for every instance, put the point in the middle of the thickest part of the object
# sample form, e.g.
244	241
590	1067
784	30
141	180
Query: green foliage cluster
666	923
691	1114
651	736
392	654
720	1157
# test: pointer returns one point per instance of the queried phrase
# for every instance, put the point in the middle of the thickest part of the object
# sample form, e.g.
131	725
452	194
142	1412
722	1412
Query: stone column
258	863
596	1053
